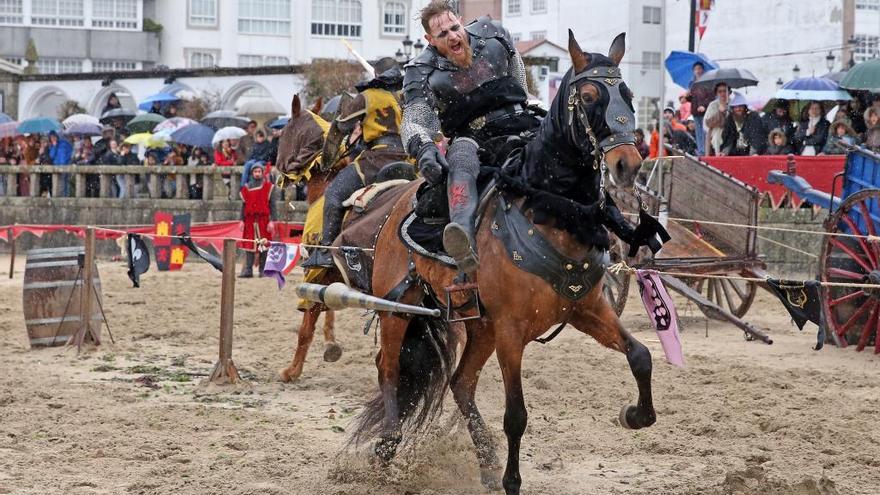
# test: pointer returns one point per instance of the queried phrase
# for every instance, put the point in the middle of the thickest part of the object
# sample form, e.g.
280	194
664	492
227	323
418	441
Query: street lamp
419	46
398	56
795	72
779	83
829	61
407	47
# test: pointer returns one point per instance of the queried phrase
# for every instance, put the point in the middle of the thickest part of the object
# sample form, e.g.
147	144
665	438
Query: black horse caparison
591	120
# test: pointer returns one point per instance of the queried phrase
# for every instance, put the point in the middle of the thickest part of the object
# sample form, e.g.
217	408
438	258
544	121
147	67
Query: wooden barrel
52	295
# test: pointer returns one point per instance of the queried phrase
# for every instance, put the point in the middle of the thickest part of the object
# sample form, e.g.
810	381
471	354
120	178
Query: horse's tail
427	356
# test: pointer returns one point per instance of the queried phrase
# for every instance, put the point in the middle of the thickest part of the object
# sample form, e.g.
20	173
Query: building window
650	60
115	14
11	12
336	18
113	65
651	15
203	13
264	17
59	65
276	61
516	37
647	112
394	18
57	13
538	35
201	60
539	6
16	61
250	60
866	48
868	4
514	7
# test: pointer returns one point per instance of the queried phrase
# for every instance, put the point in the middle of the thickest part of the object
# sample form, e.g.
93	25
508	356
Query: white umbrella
80	118
261	106
227	133
173	124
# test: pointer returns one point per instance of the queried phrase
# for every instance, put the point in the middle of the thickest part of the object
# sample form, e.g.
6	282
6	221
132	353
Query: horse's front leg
510	351
595	317
392	332
332	350
304	340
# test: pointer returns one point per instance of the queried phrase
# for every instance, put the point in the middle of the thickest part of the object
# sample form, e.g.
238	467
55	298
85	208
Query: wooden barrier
225	371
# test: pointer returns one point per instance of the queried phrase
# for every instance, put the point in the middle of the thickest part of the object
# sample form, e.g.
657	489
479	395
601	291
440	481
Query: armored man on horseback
470	86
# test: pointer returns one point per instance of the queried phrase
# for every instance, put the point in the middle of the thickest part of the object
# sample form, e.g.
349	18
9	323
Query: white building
247	33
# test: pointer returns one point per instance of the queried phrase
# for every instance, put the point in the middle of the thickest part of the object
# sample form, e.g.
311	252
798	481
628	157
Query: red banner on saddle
819	171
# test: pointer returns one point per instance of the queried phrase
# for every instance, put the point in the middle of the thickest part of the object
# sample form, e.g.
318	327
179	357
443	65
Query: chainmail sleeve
420	125
518	71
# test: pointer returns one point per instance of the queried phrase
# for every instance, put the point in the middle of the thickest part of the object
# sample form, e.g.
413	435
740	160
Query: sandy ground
742	417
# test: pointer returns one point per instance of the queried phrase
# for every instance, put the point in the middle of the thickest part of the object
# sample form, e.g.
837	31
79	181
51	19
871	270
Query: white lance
340	296
361	60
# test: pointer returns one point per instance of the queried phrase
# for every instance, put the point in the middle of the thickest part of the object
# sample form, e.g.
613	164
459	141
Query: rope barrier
805	253
623	267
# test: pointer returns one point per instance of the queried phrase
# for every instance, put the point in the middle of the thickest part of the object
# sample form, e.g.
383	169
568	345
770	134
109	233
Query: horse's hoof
287	376
629	418
490	477
332	352
622	417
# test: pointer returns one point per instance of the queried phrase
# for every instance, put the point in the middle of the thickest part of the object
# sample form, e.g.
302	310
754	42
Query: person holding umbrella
779	118
716	115
812	131
699	98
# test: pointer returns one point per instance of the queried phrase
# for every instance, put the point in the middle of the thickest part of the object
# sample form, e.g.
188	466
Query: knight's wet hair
435	8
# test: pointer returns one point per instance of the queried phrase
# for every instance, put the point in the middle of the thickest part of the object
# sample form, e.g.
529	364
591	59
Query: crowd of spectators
718	121
111	149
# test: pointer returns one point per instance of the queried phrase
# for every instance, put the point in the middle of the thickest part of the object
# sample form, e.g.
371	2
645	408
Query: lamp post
779	83
829	61
398	56
418	46
407	47
795	72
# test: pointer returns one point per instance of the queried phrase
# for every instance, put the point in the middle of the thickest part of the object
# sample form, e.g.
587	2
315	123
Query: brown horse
591	122
299	150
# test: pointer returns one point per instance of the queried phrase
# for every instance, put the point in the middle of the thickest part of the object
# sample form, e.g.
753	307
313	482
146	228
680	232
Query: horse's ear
579	59
295	106
618	47
319	104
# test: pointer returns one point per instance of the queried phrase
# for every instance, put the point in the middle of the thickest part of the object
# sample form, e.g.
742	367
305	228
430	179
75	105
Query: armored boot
459	240
321	257
247	271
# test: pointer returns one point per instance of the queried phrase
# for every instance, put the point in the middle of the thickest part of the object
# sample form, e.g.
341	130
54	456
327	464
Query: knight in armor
468	85
371	124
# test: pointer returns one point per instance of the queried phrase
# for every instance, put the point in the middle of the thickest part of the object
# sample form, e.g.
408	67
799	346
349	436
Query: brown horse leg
332	350
510	351
306	333
602	324
480	345
388	363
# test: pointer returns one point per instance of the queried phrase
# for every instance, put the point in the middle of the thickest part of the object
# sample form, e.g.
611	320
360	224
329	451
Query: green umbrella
864	76
144	122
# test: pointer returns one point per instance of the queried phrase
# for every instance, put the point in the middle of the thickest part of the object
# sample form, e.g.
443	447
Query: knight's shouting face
448	36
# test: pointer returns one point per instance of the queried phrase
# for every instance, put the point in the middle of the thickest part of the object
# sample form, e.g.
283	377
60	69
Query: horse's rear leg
304	340
599	321
480	345
332	350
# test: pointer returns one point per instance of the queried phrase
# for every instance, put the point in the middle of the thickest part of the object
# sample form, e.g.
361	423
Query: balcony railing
106	181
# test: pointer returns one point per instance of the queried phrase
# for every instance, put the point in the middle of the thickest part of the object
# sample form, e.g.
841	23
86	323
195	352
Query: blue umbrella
197	135
680	66
39	125
5	118
160	97
279	123
812	88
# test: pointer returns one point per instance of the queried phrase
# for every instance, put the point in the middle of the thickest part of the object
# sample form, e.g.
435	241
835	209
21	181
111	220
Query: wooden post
86	290
225	371
12	254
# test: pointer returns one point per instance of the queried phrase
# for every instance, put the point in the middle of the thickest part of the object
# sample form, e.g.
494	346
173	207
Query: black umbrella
735	78
117	113
224	118
835	76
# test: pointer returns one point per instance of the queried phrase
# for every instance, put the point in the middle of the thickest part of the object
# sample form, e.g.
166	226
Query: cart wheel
852	313
616	287
736	296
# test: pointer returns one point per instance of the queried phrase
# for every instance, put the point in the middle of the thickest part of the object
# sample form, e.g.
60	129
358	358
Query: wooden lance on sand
340	296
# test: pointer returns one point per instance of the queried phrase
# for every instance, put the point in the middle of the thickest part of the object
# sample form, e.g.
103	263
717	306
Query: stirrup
461	283
457	244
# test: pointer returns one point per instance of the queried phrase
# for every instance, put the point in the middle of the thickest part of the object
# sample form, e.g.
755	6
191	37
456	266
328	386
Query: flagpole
661	151
693	25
